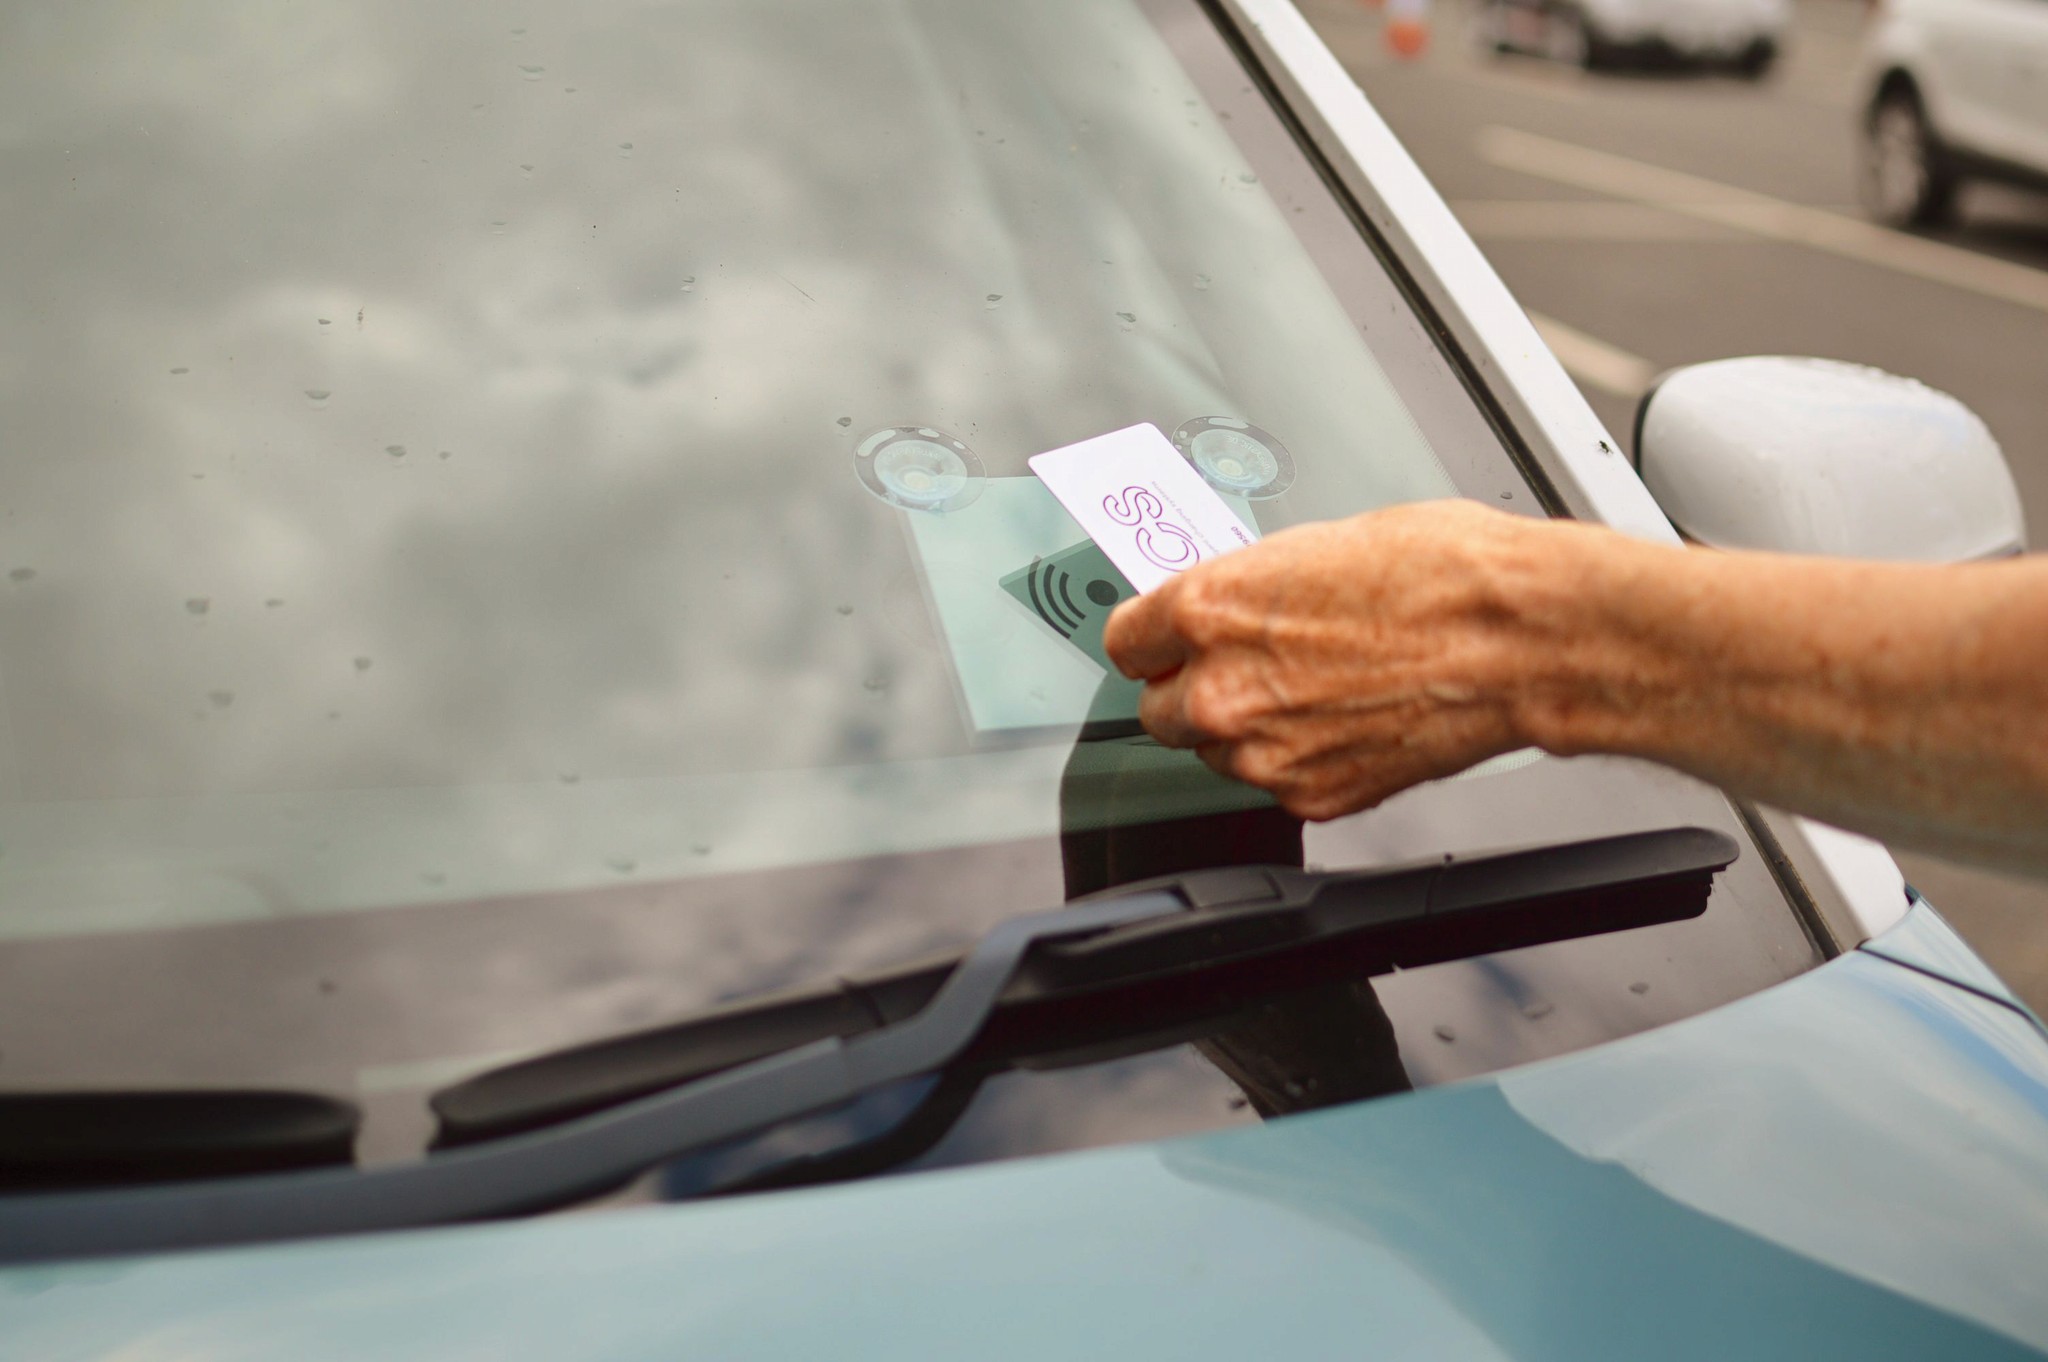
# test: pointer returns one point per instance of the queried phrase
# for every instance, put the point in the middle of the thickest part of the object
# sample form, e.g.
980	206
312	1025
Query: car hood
1853	1164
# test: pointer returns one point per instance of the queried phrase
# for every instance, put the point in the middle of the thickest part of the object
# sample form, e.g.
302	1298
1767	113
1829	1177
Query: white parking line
1762	215
1583	220
1593	361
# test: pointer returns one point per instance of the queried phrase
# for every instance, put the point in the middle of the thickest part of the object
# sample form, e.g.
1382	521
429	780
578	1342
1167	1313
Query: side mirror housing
1816	456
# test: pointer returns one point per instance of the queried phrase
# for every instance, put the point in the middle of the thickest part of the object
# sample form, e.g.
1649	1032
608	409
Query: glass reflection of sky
429	429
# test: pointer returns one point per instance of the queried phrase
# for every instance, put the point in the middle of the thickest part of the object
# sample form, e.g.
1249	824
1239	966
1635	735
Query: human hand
1338	663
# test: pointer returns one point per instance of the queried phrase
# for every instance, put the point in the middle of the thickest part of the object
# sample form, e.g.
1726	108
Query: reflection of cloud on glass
632	568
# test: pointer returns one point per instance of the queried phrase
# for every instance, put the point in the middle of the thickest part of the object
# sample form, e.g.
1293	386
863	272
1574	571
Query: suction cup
1236	456
918	468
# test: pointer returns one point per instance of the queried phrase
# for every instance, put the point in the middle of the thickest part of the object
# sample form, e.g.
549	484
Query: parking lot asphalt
1585	191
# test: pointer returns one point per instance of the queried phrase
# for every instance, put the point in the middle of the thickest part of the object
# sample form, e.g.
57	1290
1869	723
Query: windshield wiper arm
1231	936
1039	984
99	1139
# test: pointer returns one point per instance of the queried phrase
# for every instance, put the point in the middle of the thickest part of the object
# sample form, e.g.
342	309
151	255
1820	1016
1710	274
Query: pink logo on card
1163	543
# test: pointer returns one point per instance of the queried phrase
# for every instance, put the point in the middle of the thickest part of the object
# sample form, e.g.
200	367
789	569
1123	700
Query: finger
1140	637
1163	709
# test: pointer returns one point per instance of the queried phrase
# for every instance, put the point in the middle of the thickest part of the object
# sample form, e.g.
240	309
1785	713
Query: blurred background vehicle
1647	223
1955	90
1740	34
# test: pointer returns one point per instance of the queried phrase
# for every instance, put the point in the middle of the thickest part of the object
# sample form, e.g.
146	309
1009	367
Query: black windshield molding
1091	973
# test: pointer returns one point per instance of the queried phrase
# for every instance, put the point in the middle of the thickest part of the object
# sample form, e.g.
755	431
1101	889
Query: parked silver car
1953	90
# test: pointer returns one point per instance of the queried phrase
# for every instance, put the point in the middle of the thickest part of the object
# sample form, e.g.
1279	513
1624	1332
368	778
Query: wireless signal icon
1052	597
1071	592
1051	591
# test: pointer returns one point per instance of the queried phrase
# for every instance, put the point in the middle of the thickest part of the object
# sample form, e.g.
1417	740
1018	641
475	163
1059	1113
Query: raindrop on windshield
1446	1034
532	72
624	865
1537	1011
519	33
433	877
570	777
22	575
1202	283
1246	177
498	227
221	698
395	451
198	605
324	321
273	603
526	169
625	149
700	848
689	282
318	397
845	420
1130	317
844	609
445	455
181	371
362	664
992	300
1639	987
875	685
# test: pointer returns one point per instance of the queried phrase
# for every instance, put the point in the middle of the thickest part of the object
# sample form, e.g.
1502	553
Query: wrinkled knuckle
1210	708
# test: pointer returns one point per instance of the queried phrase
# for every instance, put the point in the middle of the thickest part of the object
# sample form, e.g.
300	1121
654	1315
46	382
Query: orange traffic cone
1407	30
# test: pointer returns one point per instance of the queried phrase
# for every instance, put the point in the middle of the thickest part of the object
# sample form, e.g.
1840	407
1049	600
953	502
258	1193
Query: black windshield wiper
100	1139
1238	937
1142	963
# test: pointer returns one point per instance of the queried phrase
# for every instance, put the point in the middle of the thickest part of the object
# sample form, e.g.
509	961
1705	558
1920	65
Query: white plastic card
1142	504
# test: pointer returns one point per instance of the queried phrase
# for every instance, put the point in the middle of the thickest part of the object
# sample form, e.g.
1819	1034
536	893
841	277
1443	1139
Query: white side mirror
1816	456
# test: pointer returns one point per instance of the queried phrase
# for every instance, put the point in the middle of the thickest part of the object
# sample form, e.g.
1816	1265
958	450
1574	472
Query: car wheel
1906	180
1757	59
1568	38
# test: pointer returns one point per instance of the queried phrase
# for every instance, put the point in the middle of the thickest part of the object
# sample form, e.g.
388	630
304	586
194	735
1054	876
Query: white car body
1980	70
1689	28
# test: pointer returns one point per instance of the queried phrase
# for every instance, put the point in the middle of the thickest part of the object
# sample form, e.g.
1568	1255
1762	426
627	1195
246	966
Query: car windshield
517	527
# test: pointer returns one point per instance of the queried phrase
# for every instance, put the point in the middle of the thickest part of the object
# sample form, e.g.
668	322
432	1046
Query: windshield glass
517	527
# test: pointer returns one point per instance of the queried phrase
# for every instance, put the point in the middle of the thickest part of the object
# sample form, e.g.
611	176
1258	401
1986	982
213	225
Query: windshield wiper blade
99	1139
1237	939
1052	981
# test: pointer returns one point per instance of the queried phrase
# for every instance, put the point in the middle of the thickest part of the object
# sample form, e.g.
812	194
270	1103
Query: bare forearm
1909	702
1337	664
